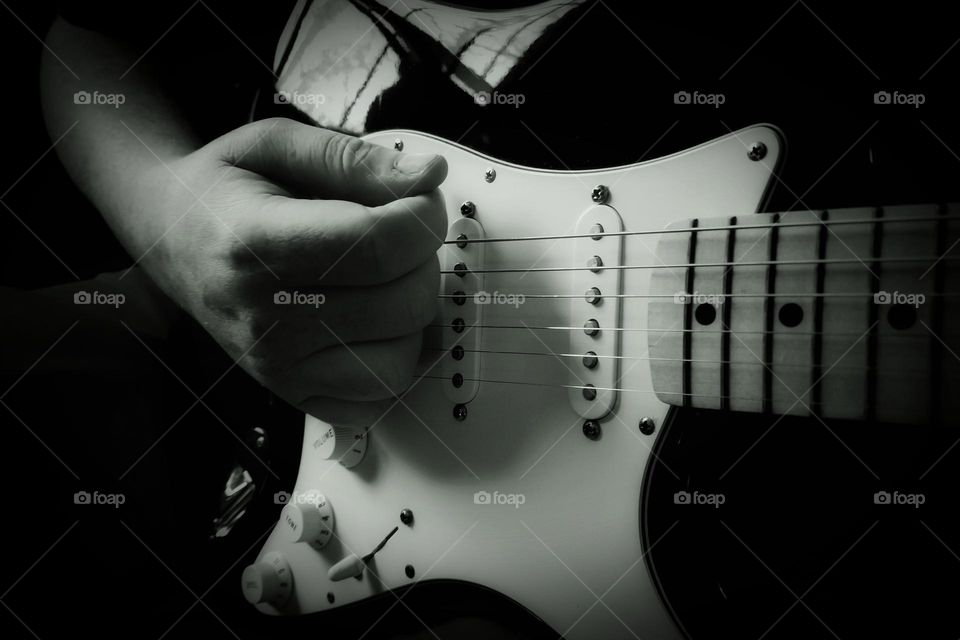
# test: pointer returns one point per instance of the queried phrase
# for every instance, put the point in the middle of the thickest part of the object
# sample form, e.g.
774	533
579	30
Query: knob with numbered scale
268	581
346	445
308	518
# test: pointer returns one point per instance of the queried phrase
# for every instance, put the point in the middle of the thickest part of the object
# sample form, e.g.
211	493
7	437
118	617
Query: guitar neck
846	313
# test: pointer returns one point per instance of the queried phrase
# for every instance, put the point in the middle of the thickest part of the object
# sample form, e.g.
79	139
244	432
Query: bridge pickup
594	377
461	311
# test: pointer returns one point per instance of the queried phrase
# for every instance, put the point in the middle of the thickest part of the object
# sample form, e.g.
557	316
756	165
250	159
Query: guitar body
505	487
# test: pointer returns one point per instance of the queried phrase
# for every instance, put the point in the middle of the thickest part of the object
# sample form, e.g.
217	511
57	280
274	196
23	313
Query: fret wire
687	372
768	317
726	313
816	404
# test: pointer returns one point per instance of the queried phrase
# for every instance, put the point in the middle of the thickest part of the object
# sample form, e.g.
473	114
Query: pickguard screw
490	174
591	429
406	517
468	209
409	570
398	144
647	425
460	412
757	151
601	193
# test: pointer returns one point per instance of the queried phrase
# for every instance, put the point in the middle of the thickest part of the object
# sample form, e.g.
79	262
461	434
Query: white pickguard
576	538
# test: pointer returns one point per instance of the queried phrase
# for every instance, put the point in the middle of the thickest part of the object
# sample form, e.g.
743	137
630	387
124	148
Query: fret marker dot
705	314
902	316
791	314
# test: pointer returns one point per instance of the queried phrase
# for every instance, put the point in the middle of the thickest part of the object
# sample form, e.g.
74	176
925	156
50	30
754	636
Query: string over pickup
461	310
594	378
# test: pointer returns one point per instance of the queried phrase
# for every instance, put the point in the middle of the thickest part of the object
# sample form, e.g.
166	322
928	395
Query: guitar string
745	227
597	236
683	265
718	332
700	294
574	386
789	365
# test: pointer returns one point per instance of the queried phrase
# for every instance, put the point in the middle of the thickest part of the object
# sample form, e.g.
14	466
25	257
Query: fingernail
414	163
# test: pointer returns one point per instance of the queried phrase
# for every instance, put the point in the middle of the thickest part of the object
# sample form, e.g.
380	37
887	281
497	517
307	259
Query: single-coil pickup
594	377
460	313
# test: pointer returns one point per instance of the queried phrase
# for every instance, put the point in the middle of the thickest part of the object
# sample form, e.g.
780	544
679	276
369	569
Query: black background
598	98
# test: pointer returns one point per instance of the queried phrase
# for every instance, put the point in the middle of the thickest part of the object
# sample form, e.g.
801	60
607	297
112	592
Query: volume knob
347	445
308	518
268	580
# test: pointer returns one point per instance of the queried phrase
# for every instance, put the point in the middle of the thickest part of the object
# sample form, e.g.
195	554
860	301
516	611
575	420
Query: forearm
117	154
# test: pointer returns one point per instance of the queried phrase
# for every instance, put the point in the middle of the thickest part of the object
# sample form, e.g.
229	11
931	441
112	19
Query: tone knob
268	580
347	445
308	518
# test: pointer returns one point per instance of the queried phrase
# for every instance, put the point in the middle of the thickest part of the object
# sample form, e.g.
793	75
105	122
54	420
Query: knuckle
349	153
261	133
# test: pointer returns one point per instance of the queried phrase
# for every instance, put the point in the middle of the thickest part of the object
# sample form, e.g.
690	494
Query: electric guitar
576	309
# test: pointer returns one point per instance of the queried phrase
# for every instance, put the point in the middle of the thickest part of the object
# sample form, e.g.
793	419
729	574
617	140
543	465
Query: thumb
311	162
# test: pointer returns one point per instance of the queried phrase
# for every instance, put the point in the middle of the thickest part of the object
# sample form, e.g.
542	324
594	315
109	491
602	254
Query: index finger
310	242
